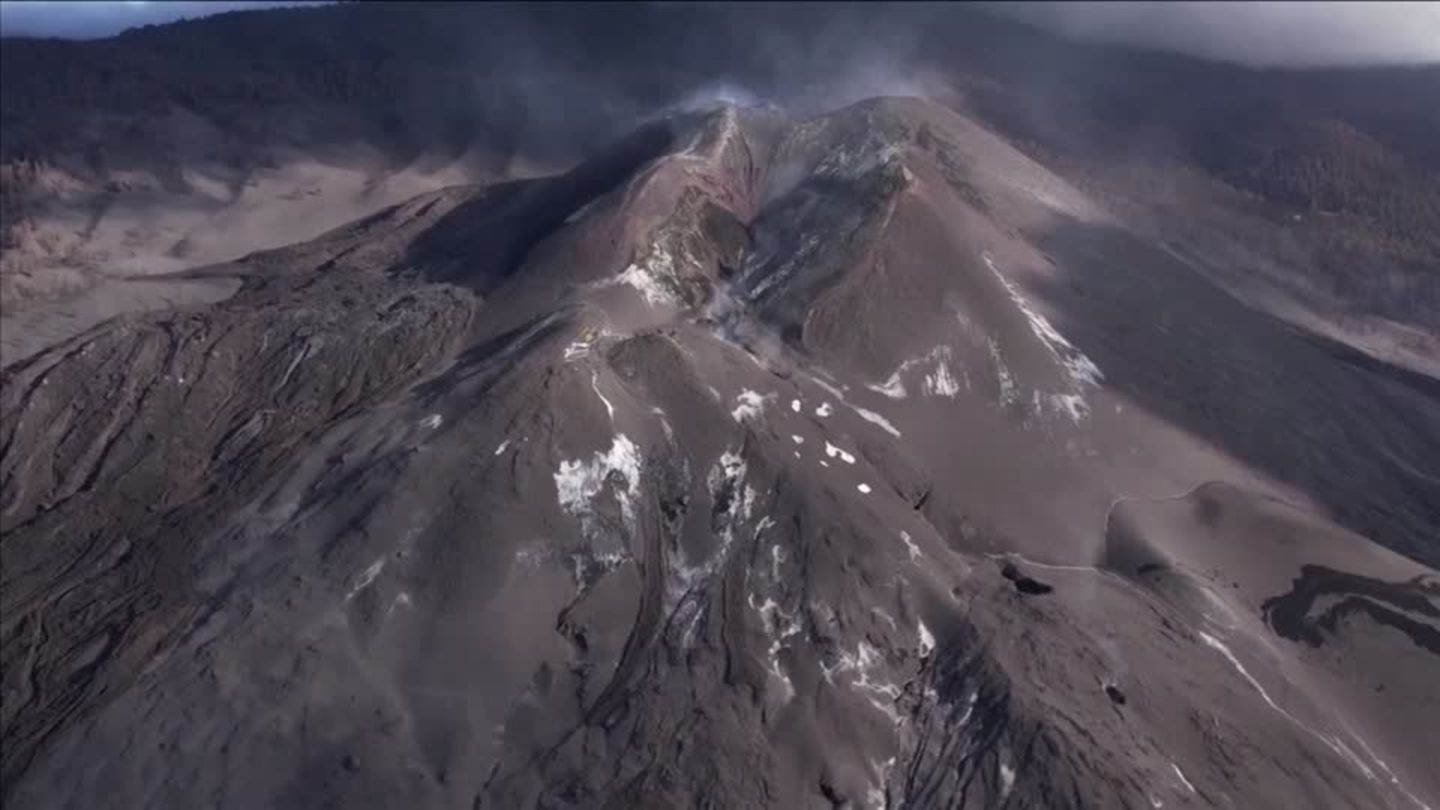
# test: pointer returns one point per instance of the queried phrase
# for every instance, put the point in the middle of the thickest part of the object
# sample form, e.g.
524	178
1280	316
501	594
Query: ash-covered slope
856	461
1314	194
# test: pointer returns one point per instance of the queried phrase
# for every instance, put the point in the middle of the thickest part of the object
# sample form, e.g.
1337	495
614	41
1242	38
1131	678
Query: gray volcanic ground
763	459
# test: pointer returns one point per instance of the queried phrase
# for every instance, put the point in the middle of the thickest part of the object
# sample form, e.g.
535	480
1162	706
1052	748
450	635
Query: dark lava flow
1388	603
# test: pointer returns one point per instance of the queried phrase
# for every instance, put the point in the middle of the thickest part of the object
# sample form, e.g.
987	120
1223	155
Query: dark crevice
1024	584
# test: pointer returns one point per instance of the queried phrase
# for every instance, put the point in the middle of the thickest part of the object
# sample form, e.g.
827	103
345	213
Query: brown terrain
934	449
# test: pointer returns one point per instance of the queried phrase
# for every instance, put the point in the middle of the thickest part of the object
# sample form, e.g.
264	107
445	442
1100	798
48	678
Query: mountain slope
761	460
174	146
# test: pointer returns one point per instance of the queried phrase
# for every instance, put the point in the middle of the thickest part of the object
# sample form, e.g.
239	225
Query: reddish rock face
760	461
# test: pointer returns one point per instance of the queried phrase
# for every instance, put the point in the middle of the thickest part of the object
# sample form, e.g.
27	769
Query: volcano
760	460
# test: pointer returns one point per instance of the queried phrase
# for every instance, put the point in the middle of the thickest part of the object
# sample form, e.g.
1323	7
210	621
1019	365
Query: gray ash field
761	460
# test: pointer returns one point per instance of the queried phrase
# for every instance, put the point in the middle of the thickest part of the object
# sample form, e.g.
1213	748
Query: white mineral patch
750	405
586	566
824	410
1007	779
864	488
866	663
882	613
664	422
1181	775
780	627
576	350
295	363
650	277
876	795
1224	650
894	387
578	482
595	385
808	247
927	641
869	416
941	382
876	419
829	389
531	557
832	451
910	546
366	577
1076	364
1389	774
1072	405
432	421
1006	382
727	475
969	709
1332	742
503	447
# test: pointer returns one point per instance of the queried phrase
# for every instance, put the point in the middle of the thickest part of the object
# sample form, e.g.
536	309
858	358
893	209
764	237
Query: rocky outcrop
757	462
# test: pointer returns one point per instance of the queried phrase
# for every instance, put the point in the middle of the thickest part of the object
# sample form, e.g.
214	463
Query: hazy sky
78	19
1255	33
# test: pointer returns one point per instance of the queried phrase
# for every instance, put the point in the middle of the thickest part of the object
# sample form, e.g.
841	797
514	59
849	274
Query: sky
1297	34
1260	34
89	19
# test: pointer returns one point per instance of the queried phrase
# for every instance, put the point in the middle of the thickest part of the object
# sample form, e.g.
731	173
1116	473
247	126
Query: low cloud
1260	34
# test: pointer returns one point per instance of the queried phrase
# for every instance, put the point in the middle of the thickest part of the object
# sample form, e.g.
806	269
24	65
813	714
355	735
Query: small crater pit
1024	584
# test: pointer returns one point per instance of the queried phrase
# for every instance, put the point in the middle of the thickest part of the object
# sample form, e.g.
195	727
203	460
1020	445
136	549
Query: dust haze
924	410
1258	34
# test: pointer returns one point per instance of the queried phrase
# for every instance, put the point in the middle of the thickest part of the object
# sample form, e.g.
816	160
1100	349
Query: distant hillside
1347	158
